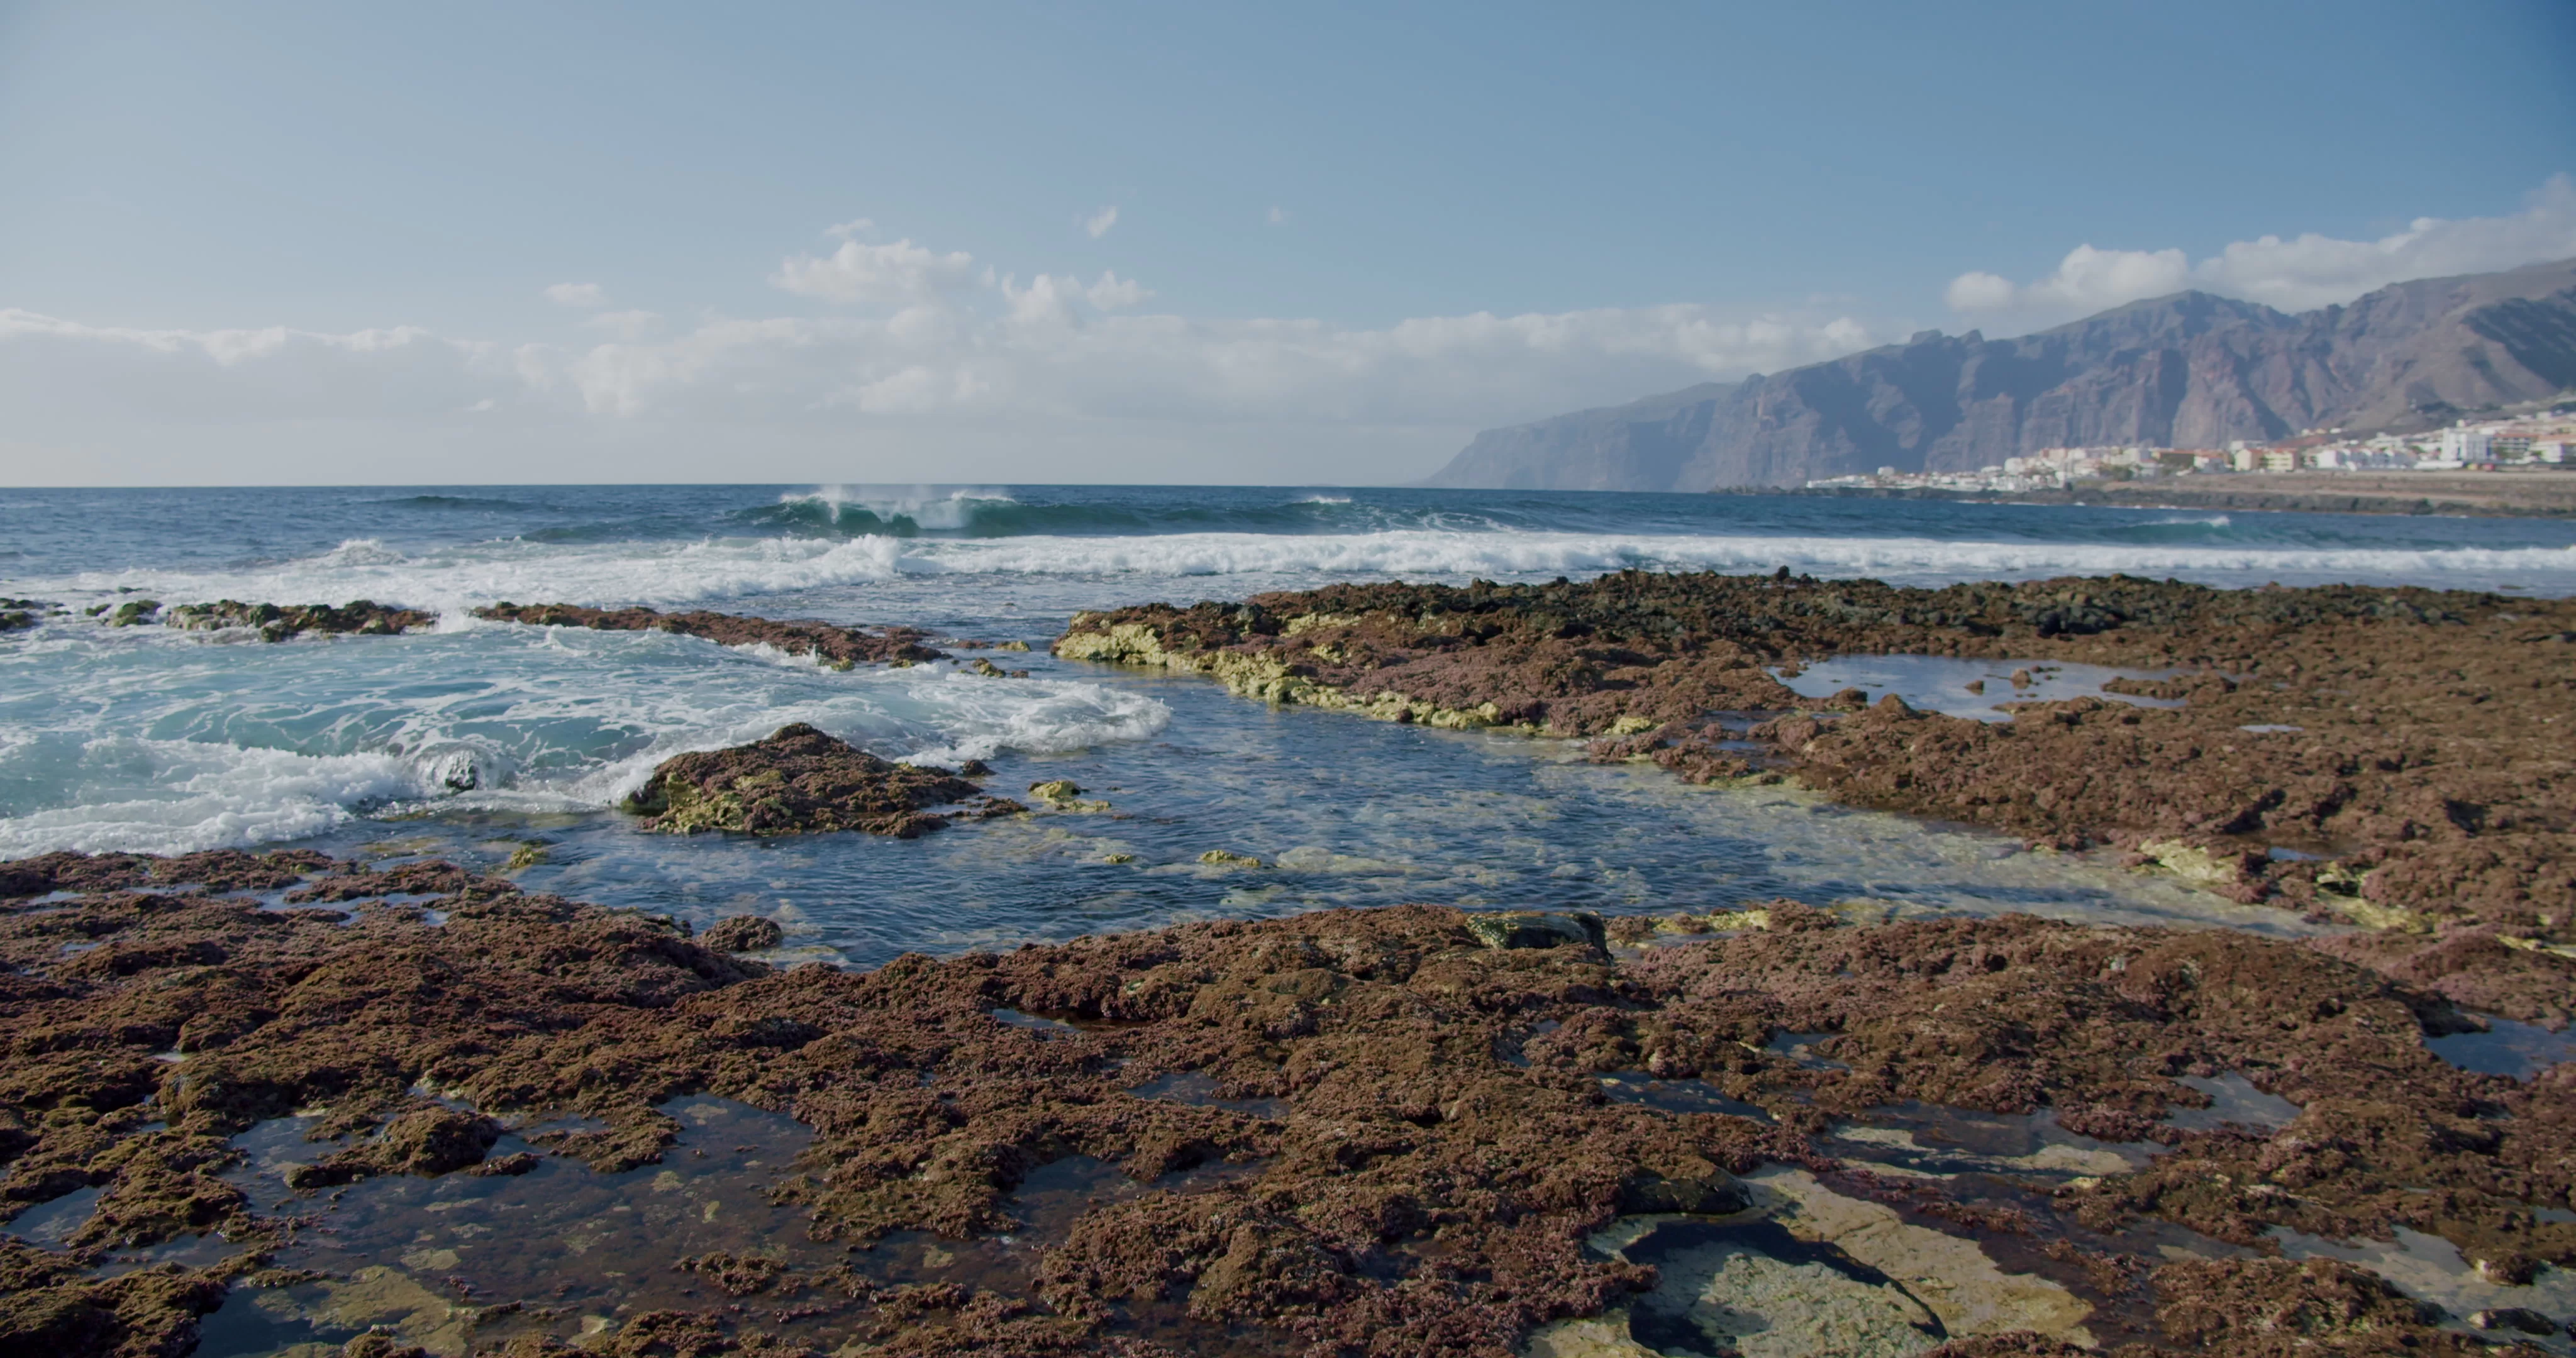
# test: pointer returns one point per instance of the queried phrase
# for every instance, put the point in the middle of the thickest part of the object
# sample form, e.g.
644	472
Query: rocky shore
1399	1131
2399	759
835	646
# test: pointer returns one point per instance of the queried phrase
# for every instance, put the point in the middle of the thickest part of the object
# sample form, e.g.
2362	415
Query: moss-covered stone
798	781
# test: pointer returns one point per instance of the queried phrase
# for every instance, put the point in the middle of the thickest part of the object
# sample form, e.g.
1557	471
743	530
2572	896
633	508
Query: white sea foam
667	574
928	507
178	796
254	744
1431	553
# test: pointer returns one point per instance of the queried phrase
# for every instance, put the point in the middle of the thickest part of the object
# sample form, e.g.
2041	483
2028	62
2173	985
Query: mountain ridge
2192	369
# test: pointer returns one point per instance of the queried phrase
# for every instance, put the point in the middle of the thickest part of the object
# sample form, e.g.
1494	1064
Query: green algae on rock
363	617
2414	741
799	781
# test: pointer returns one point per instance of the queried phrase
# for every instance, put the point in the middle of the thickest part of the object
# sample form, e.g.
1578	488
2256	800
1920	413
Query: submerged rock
834	646
798	781
1064	794
743	933
1538	929
428	1141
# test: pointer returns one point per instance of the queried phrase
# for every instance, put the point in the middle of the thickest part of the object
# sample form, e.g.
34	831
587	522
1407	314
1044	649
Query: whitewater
475	739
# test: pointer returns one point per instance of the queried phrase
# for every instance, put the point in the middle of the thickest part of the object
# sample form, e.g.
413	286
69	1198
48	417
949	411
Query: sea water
477	740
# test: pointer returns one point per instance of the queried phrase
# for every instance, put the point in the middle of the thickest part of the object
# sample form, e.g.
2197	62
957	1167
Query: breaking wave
678	573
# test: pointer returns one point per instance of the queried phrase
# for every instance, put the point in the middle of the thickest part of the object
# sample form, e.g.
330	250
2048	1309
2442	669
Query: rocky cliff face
2191	370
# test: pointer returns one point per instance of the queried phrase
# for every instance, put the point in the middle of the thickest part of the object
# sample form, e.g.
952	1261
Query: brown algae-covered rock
798	781
838	647
743	933
1419	1136
2409	747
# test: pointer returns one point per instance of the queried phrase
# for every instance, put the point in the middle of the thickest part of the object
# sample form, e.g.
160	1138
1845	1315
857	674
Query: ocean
478	740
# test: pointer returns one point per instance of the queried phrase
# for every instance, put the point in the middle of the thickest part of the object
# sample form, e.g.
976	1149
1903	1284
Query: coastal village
2544	442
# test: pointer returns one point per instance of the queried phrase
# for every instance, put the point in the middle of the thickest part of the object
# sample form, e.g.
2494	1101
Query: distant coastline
2523	495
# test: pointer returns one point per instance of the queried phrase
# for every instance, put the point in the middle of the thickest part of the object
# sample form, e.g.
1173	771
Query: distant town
2538	443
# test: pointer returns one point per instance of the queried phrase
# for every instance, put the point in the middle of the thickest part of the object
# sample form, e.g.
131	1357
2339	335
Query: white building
2467	447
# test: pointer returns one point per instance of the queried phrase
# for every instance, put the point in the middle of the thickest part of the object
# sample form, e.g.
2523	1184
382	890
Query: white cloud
1098	223
888	275
932	355
1112	293
2296	274
626	324
855	226
588	295
1278	215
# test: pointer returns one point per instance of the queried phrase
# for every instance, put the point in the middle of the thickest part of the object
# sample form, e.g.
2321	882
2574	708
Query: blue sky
1311	205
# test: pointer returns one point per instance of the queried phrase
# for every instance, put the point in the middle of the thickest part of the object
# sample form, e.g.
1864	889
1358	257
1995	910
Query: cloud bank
903	352
2298	274
903	361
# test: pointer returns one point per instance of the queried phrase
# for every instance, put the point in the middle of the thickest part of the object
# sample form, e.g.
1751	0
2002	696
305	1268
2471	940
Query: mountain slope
2190	370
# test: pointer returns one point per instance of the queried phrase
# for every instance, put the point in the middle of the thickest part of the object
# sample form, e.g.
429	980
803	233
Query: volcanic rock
743	933
798	781
2409	746
1434	1144
274	623
834	646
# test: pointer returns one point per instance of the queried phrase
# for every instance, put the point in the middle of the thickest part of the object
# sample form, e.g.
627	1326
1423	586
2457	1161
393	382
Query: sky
1313	244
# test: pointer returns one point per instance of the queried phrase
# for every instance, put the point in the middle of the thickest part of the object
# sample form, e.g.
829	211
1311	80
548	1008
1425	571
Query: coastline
2523	495
1528	1131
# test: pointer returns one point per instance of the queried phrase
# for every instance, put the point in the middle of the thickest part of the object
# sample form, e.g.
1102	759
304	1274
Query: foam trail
179	796
257	743
452	580
1430	553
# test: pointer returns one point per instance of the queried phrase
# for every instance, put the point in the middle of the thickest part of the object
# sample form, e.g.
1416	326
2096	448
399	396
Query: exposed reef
1420	1152
838	647
801	781
2401	758
273	622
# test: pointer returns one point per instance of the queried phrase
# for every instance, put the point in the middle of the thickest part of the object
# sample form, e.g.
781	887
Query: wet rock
2404	730
1064	794
1715	1193
798	781
427	1142
17	619
505	1166
838	647
743	933
1421	1140
2276	1306
362	617
133	612
2519	1319
51	1306
1538	929
1226	858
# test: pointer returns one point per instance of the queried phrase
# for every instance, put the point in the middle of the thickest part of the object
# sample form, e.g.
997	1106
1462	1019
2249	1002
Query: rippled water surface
479	741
